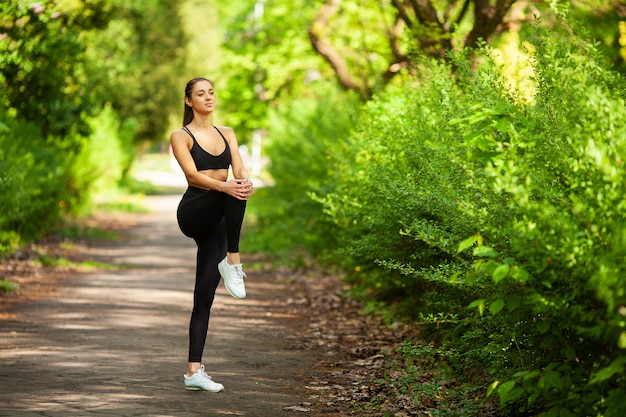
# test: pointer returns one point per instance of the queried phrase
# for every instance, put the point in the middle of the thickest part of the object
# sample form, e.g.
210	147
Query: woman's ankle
233	258
193	367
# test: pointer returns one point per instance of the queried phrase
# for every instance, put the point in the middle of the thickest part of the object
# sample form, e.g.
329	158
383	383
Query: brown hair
188	113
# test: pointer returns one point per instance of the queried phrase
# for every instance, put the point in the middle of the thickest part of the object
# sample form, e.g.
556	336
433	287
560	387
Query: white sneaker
233	278
200	381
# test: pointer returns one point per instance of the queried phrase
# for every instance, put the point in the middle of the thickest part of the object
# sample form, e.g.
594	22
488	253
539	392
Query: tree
137	62
60	62
268	60
428	26
42	64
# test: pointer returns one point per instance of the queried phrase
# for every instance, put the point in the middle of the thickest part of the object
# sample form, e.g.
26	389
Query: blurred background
459	161
92	88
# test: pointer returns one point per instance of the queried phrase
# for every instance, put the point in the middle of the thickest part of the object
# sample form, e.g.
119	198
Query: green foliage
33	183
106	154
8	286
60	62
396	201
42	65
601	19
42	184
558	240
269	61
503	217
137	64
60	261
303	135
74	231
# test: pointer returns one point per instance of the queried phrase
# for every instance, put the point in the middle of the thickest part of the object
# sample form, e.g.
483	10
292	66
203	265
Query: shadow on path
114	342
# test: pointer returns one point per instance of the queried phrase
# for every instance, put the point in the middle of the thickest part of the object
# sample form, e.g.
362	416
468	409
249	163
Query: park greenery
462	162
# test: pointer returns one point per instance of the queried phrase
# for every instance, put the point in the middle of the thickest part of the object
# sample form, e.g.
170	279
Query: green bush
106	154
532	194
40	185
287	217
32	183
397	193
557	289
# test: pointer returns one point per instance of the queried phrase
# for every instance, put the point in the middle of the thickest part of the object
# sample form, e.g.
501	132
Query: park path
113	342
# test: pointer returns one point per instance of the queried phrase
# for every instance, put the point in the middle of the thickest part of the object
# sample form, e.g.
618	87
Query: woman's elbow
192	179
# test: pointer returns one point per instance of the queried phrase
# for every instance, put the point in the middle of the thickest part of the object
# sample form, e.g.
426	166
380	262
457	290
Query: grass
8	286
59	261
85	232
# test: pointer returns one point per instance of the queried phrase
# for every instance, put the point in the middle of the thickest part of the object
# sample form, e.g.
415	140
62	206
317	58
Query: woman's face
202	97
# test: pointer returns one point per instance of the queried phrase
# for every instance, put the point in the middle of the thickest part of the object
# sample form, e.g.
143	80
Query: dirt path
114	342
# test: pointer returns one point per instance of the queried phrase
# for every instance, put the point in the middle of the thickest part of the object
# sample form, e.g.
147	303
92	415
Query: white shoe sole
202	389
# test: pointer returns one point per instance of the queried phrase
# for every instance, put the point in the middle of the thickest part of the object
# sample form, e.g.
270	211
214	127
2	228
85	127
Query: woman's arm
239	170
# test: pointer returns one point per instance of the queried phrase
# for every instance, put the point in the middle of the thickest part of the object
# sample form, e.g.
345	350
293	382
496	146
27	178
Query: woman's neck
201	122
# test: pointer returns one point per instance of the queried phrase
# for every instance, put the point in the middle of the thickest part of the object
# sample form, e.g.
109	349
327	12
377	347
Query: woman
211	212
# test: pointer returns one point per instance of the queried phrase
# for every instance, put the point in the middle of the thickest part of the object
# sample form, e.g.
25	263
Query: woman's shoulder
179	134
225	129
228	132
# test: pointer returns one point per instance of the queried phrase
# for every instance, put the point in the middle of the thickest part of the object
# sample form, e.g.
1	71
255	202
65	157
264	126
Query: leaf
469	242
513	302
553	379
500	273
506	387
553	412
568	352
485	252
515	394
531	374
543	327
496	306
616	367
507	392
519	273
492	388
480	304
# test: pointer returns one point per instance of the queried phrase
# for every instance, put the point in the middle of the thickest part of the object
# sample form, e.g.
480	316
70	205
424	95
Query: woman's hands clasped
240	188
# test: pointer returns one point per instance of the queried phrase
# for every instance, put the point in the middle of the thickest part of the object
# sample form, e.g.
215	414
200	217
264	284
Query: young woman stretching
211	212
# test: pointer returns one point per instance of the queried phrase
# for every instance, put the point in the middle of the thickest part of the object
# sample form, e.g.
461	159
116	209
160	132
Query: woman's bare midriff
216	174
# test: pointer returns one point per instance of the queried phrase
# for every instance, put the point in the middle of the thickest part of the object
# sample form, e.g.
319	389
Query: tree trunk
487	18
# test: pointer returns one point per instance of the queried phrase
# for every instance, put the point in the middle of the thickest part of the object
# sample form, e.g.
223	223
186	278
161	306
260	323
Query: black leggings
213	220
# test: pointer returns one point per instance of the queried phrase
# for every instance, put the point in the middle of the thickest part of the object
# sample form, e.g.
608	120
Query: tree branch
394	35
425	12
433	40
462	13
323	47
402	13
399	59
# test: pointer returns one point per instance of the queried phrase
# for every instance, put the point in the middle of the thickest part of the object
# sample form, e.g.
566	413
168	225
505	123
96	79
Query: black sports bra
205	160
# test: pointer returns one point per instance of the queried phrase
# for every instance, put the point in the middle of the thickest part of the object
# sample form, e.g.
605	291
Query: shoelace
204	374
239	274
